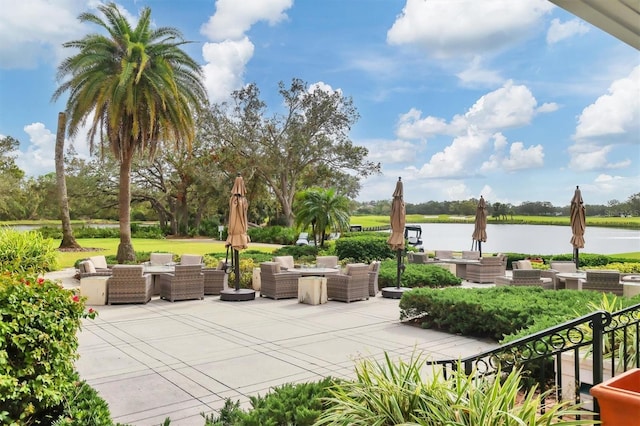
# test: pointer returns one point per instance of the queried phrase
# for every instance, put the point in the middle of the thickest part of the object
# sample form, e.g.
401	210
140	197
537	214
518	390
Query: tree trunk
68	240
125	248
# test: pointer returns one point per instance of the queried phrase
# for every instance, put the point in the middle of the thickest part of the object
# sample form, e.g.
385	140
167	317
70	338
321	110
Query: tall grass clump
393	393
26	252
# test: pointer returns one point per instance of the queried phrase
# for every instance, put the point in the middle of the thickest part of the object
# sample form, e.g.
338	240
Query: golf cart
413	235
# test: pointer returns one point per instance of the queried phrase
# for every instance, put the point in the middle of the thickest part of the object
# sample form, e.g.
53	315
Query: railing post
598	348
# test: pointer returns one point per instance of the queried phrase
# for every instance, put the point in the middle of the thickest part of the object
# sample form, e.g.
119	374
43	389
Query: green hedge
496	312
363	248
416	275
273	235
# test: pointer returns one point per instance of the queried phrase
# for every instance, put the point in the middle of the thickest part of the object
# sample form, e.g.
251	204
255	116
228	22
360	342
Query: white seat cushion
99	262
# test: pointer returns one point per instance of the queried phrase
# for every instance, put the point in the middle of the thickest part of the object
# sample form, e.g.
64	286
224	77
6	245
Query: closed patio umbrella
237	238
480	230
578	224
396	239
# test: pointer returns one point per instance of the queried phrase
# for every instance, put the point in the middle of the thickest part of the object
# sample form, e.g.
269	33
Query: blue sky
515	100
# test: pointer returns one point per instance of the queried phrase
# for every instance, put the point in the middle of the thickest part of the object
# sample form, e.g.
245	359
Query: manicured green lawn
109	246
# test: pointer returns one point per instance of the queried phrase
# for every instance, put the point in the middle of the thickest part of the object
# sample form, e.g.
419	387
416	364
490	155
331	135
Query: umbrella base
394	292
241	295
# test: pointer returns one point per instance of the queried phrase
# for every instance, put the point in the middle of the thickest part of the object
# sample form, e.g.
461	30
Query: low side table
94	289
312	290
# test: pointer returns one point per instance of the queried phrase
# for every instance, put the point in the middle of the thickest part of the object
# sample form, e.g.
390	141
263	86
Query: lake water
530	239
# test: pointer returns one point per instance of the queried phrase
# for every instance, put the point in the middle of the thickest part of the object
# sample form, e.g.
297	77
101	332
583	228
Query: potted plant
619	398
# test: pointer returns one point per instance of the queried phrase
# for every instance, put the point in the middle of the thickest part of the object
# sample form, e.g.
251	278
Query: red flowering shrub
39	321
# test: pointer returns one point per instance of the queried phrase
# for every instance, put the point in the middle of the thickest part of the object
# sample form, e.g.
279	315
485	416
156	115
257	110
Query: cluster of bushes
502	313
587	260
416	275
27	252
273	235
137	231
38	347
363	248
398	392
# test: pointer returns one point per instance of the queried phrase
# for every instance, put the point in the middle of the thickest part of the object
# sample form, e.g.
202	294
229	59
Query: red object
619	399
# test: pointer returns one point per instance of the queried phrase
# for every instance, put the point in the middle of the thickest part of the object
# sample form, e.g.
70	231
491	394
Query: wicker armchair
276	283
351	285
487	270
158	259
187	282
128	284
526	277
544	273
215	280
87	268
327	261
374	268
471	255
191	259
607	281
559	266
286	262
443	254
418	257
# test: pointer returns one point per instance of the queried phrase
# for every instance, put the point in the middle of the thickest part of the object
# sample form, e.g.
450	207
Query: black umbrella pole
576	257
236	263
480	248
398	270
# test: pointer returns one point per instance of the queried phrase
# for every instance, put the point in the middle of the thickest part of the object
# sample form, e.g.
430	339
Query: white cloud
593	157
39	158
477	74
411	126
547	107
604	186
613	119
391	152
509	106
230	49
467	27
616	113
234	18
558	31
453	161
521	158
32	31
225	67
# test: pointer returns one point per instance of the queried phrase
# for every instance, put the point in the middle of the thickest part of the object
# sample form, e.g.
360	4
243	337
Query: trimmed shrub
273	235
28	252
38	347
290	404
364	248
416	275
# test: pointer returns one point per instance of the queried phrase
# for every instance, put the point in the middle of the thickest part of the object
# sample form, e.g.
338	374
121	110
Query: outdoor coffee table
316	272
154	271
573	280
461	265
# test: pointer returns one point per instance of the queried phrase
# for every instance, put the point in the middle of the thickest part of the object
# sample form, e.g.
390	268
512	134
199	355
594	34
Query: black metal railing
594	337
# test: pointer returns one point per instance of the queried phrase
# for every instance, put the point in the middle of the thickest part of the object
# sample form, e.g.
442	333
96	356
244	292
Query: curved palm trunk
68	240
125	248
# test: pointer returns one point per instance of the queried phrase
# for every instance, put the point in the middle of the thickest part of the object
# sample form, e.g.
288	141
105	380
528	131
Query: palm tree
323	210
137	88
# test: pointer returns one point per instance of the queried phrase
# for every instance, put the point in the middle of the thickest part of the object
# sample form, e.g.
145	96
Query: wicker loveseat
607	281
277	283
544	273
351	285
128	284
526	277
187	282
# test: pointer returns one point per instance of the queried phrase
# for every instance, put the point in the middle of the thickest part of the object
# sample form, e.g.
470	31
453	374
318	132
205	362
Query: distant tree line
498	210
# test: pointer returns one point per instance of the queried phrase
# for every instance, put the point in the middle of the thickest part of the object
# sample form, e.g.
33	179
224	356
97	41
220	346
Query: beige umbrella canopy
398	218
480	230
237	237
578	223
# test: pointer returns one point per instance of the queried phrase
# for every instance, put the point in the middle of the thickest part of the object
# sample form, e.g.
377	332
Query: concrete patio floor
178	360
